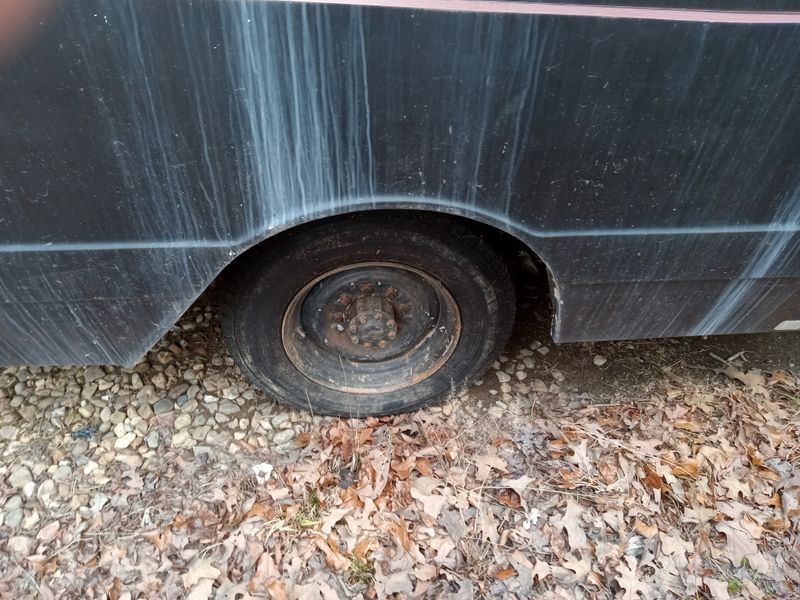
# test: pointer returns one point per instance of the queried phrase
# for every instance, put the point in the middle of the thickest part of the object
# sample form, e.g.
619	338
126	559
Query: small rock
210	399
91	374
503	377
46	491
283	437
163	406
152	440
178	391
230	393
126	440
20	478
183	420
599	360
20	544
227	407
182	439
159	380
199	433
8	432
280	419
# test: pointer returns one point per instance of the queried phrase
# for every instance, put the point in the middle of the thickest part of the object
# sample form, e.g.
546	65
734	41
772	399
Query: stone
599	360
123	442
20	477
182	439
503	377
280	419
283	437
183	421
199	433
227	407
46	491
177	391
152	439
20	544
230	393
91	374
8	432
163	406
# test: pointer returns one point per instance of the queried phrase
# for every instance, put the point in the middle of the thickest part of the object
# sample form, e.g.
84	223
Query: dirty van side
353	176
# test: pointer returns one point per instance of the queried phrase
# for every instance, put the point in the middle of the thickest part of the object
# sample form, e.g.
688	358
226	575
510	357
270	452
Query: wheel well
526	267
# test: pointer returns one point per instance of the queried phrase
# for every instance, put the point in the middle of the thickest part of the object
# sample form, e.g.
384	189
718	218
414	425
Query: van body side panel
654	165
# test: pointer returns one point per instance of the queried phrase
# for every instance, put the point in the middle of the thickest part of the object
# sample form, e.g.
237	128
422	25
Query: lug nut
354	339
367	345
391	324
344	299
362	319
391	293
367	289
352	329
383	343
378	316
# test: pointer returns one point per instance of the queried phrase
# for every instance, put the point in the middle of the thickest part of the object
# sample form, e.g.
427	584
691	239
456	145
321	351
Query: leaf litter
693	491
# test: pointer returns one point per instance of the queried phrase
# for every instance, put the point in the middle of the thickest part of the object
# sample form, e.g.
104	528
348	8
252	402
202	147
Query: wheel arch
503	233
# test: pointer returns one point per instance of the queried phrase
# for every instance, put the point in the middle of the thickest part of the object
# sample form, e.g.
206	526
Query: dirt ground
645	469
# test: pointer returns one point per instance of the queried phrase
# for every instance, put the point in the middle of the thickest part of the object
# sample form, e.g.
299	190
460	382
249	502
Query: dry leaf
629	581
510	498
571	521
201	568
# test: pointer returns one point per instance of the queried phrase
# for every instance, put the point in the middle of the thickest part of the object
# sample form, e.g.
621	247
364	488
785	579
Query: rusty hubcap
371	328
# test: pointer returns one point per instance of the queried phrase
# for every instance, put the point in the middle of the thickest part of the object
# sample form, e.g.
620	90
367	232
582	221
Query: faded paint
155	141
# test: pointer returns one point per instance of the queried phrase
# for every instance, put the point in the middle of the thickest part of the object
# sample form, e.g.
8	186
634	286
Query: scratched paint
145	144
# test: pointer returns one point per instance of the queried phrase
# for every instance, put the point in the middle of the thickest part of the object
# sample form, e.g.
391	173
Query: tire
369	314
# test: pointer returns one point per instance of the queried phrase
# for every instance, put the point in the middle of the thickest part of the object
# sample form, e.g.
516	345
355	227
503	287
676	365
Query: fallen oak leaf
200	568
571	522
629	581
753	379
572	570
334	560
48	533
653	479
687	468
689	426
201	591
508	497
504	574
519	485
741	546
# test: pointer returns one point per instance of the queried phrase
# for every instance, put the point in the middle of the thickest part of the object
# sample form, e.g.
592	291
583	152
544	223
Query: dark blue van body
648	152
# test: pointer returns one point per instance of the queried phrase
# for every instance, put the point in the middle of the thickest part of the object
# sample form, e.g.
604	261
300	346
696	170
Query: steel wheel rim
371	328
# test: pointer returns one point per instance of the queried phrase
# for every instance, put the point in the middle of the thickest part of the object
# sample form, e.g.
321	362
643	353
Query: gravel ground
95	457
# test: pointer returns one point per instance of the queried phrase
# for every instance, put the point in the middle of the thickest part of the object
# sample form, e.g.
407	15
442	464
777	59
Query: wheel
372	314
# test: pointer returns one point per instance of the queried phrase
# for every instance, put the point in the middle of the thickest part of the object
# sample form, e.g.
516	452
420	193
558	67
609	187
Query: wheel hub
373	321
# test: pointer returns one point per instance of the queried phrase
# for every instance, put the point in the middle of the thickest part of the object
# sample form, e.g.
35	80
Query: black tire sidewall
460	262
